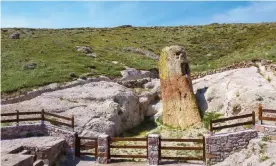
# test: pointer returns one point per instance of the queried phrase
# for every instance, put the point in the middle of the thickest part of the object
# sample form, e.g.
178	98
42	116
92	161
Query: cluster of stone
103	149
154	149
219	147
135	83
244	64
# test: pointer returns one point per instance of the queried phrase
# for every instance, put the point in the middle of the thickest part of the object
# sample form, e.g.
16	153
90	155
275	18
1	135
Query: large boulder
98	107
234	92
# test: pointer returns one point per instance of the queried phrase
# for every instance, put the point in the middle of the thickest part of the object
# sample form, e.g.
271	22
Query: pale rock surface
98	107
234	92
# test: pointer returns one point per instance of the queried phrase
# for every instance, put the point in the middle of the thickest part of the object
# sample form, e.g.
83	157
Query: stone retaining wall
266	129
22	131
218	147
28	130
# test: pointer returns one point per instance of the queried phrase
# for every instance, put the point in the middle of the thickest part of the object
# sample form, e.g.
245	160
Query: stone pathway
86	160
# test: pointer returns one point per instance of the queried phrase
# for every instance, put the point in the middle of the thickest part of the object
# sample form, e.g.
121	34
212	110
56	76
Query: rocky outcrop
134	74
98	107
50	88
244	64
179	103
15	35
234	92
84	49
146	53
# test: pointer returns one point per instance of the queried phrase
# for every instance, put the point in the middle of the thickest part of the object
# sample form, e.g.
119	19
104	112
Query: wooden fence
267	118
91	143
112	140
194	148
43	116
251	122
118	139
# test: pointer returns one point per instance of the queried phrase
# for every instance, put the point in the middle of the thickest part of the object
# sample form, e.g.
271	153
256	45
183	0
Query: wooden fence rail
267	118
194	148
44	116
251	122
112	140
120	139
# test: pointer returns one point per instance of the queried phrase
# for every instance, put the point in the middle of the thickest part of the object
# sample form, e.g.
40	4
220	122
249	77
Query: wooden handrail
232	118
181	148
128	147
181	140
232	125
252	122
42	113
57	116
269	111
115	139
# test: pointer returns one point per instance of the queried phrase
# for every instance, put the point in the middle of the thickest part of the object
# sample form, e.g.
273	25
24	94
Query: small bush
208	116
266	138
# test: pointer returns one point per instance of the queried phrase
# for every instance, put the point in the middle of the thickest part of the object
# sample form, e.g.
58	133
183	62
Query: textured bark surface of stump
179	102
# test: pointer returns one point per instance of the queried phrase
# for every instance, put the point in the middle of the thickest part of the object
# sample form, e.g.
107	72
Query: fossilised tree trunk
179	102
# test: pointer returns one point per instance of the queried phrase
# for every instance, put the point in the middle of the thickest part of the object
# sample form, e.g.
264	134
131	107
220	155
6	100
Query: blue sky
51	14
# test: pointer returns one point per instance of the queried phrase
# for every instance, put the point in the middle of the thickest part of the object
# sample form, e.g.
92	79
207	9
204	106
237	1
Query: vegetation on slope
53	50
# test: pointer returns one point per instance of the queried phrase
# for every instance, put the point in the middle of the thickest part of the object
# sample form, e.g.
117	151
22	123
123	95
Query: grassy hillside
208	47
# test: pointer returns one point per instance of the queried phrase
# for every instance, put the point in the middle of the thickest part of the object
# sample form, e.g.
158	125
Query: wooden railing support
260	111
73	122
42	117
204	151
17	118
211	126
77	145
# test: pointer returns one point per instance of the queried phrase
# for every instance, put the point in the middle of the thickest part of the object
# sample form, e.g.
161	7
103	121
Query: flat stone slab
21	151
10	145
16	159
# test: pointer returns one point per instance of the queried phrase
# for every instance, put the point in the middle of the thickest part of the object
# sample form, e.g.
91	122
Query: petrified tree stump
179	102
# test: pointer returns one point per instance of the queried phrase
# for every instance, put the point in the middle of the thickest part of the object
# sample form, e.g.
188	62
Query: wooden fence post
77	145
203	141
17	117
211	125
96	148
260	113
72	122
42	116
253	118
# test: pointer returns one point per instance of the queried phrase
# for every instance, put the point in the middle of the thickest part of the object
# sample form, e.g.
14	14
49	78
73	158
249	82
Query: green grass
208	116
54	50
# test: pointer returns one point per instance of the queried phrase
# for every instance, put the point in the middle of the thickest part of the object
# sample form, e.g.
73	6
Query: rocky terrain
108	107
